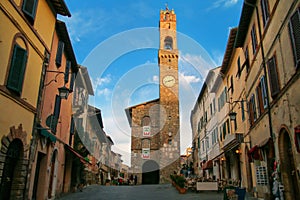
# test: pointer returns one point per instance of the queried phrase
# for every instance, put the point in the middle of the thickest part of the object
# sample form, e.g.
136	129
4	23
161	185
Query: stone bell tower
155	135
168	94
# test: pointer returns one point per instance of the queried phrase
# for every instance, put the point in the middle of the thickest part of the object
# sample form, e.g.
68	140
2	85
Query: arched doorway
11	168
150	172
288	172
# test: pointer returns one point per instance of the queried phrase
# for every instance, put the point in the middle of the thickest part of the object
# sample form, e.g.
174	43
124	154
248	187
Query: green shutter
59	53
68	66
56	112
17	69
29	8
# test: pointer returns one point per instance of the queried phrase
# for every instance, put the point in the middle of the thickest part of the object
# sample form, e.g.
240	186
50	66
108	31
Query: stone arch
287	157
150	173
13	171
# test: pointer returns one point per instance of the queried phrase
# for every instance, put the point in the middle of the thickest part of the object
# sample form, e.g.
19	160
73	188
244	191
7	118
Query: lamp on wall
63	91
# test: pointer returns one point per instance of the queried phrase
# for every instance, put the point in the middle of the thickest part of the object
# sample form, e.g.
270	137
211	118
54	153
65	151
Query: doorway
11	165
150	172
288	172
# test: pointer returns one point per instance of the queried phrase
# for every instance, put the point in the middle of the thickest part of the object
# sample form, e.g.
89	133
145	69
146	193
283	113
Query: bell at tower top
167	15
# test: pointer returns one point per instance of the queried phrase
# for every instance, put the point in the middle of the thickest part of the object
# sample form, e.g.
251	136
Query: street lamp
232	116
63	91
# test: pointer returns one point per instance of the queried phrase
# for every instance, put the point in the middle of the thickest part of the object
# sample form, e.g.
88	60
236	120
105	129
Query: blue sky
118	42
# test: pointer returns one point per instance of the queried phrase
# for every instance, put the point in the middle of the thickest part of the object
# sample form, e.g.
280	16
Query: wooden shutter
17	69
254	39
251	111
56	112
273	77
260	100
59	53
68	67
29	8
73	76
294	27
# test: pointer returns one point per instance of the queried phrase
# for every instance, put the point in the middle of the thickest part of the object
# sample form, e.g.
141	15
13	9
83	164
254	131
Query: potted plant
181	183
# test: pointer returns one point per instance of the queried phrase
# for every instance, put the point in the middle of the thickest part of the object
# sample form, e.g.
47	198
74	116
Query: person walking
135	179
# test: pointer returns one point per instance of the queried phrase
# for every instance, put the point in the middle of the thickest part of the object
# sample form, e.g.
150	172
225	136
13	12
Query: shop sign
146	153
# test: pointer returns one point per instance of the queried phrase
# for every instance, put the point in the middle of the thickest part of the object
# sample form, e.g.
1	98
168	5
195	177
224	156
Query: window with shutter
73	77
231	84
273	77
243	111
56	112
250	108
259	100
253	39
246	63
264	91
239	67
72	130
29	8
265	11
59	53
68	67
17	69
294	27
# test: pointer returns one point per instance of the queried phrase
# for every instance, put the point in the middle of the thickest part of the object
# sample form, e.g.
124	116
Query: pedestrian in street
135	179
131	179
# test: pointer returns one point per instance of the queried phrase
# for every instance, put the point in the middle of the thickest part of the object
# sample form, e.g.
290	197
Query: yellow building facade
26	35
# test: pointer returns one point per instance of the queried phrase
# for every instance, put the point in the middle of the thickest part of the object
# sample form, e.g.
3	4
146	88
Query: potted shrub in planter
181	183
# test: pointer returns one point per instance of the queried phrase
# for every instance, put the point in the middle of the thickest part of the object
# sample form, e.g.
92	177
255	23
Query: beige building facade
260	74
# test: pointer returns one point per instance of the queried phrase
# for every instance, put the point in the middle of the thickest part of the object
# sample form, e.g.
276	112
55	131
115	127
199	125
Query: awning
207	165
264	142
254	153
253	149
47	134
82	159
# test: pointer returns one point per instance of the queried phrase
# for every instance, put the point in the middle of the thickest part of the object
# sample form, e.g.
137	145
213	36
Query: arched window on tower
168	43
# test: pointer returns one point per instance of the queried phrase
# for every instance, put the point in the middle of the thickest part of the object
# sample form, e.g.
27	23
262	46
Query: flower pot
182	190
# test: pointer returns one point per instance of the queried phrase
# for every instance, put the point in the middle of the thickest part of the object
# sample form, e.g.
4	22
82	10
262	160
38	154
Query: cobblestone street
145	192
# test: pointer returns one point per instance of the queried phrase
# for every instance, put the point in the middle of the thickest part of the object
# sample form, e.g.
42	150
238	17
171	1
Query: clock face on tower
168	81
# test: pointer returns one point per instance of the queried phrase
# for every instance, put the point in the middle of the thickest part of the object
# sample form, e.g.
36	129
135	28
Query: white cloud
83	23
100	81
223	3
104	92
155	79
190	78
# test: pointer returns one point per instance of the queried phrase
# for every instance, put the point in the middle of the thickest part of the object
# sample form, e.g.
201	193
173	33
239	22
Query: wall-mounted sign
146	153
146	131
